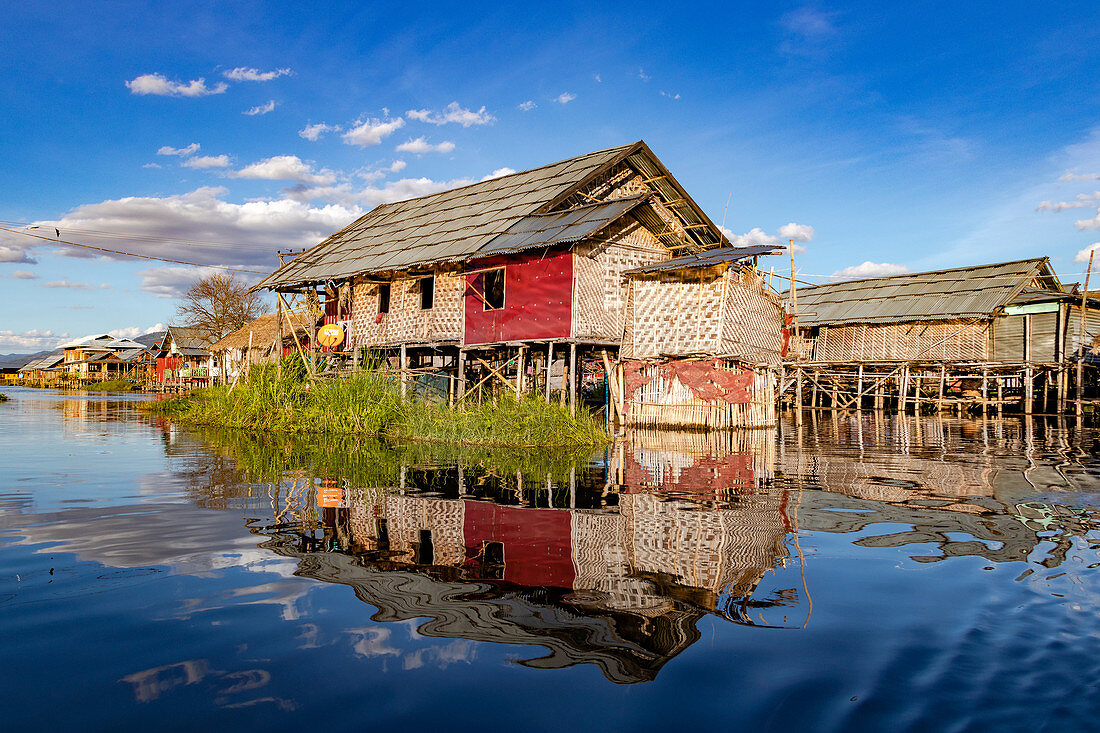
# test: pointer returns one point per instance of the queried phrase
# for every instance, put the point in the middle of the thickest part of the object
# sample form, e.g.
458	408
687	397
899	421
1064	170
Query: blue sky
885	138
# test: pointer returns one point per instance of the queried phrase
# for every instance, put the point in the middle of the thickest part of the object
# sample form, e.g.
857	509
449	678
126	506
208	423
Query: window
425	551
384	298
427	292
494	289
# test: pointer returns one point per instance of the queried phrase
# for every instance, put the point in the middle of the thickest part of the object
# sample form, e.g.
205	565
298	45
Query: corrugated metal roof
557	227
447	226
707	259
964	292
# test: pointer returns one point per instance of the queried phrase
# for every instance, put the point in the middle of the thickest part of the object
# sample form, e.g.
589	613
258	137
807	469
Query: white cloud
499	172
757	236
243	73
367	133
1093	223
16	249
316	131
151	165
159	85
286	168
181	152
207	161
808	23
131	332
172	282
870	269
420	146
30	341
1083	255
1070	176
1083	200
75	286
398	166
405	188
214	231
565	98
597	78
526	106
643	76
24	275
260	109
670	95
797	232
452	113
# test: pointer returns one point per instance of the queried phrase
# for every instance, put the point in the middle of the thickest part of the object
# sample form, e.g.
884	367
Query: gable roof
263	333
101	342
188	340
455	225
962	292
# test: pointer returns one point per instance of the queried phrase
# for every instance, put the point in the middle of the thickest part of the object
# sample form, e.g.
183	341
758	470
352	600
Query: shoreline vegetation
370	404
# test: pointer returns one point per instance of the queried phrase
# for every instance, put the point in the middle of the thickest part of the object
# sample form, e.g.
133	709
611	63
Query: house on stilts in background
981	336
544	281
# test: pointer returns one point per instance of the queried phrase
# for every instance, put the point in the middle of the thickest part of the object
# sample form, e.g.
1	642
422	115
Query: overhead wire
58	240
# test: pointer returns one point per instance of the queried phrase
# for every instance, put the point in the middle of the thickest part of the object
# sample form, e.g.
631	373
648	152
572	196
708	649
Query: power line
58	240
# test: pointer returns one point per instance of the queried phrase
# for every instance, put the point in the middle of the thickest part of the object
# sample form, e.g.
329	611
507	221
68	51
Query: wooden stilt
1000	396
278	337
403	367
521	368
312	337
798	396
859	389
549	363
985	391
1029	390
461	375
573	378
943	387
903	389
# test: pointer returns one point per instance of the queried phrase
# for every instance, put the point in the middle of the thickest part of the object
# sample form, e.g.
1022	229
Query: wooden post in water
1029	389
859	389
903	389
520	368
943	386
1081	346
798	397
985	391
573	378
461	376
403	366
549	363
278	336
1000	395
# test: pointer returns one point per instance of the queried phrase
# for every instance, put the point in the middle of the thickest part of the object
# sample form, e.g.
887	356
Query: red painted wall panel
538	550
538	299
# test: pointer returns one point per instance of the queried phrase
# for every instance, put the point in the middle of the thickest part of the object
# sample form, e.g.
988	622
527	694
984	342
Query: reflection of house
103	356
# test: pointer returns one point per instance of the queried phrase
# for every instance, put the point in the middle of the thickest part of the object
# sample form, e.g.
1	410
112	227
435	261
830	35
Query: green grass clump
370	404
112	385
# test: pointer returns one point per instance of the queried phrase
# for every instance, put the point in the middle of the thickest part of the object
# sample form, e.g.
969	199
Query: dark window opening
494	289
427	292
384	298
425	553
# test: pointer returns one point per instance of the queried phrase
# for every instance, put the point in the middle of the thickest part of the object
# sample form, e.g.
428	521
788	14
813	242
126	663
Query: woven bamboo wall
752	320
600	290
406	322
956	340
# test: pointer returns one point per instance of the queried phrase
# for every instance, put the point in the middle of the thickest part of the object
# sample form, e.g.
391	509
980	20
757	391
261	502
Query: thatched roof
263	333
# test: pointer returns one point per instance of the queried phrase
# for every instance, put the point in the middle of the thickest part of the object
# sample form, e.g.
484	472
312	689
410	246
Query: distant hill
16	361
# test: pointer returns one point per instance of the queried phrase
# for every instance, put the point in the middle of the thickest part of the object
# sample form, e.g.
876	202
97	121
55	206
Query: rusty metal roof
963	292
444	227
559	227
707	259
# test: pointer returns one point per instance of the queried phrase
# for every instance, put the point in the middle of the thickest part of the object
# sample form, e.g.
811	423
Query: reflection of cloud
149	684
373	642
443	656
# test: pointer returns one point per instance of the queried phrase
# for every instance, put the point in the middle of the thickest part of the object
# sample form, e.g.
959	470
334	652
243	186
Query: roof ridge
923	272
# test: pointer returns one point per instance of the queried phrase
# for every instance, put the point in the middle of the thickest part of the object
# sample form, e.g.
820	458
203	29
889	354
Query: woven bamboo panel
934	341
675	317
601	289
407	322
752	320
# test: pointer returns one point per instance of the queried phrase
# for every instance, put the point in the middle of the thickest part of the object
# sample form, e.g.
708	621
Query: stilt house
530	280
1013	322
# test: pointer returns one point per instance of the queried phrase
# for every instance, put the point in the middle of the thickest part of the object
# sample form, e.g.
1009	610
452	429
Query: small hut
254	342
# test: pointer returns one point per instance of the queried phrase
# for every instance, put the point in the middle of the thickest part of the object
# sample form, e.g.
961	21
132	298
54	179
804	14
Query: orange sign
331	335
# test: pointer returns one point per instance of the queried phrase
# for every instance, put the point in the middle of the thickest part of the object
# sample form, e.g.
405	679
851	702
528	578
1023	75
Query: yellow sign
331	335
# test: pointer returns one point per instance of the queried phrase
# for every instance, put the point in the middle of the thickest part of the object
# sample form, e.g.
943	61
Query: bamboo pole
549	363
573	378
278	335
1081	346
461	367
402	366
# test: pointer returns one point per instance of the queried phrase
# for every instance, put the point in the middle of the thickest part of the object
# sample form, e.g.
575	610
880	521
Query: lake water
865	573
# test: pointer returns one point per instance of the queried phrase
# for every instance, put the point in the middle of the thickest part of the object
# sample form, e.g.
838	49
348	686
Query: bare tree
218	304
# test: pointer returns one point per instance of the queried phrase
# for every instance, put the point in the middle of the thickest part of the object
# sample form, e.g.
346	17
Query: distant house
44	368
529	279
102	356
183	349
1009	312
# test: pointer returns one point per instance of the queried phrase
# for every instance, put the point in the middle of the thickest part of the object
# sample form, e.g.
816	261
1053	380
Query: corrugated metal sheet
964	292
1008	338
557	227
447	226
707	259
1044	335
